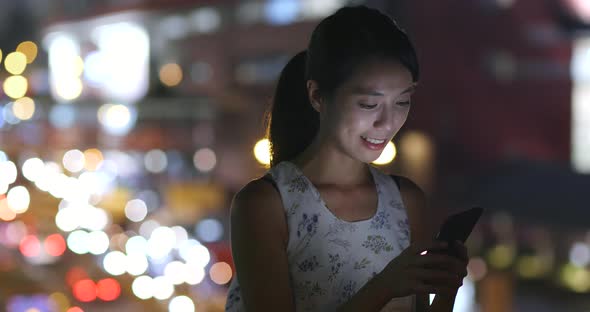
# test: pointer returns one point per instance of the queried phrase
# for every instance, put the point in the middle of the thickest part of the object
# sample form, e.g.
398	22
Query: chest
350	204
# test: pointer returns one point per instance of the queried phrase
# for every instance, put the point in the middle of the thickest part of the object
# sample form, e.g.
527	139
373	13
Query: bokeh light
220	273
163	288
55	245
6	214
155	161
15	63
209	230
387	156
29	49
93	157
78	242
262	151
69	88
143	287
205	159
30	246
136	264
181	304
62	116
136	210
18	199
15	86
98	242
85	290
73	160
9	172
116	119
114	263
32	168
170	74
24	108
108	289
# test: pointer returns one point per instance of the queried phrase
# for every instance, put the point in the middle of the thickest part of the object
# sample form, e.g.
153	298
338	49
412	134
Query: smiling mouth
372	140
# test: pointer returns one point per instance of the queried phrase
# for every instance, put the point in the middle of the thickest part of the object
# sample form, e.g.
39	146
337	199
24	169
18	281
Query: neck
323	163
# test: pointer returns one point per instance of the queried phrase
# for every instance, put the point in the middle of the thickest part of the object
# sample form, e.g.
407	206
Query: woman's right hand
415	271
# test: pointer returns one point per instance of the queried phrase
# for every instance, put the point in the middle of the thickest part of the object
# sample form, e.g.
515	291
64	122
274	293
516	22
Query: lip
372	146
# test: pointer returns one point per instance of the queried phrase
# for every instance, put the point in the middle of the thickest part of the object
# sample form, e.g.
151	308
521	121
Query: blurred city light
143	287
282	12
117	119
15	63
171	74
29	49
262	151
175	272
136	264
84	290
181	304
6	214
73	160
580	254
98	242
62	116
387	156
55	245
78	242
136	210
205	20
9	172
155	161
93	157
114	263
24	108
161	242
220	273
580	111
15	86
30	246
194	274
575	278
18	199
108	289
209	230
205	159
163	288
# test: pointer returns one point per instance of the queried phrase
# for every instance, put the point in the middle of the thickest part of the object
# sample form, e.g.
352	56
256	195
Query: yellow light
24	108
262	151
93	158
576	278
29	49
387	155
15	63
6	214
15	86
501	256
69	89
60	300
171	74
532	266
0	56
220	273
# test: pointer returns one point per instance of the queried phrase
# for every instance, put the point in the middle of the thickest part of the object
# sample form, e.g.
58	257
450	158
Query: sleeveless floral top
331	259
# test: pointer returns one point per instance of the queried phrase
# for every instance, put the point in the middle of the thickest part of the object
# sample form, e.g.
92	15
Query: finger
438	277
460	250
441	262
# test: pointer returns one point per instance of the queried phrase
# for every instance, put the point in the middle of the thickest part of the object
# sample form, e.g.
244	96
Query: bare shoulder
422	217
258	204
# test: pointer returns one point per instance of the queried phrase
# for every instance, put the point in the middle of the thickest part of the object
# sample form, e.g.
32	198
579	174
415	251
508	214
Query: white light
205	159
580	254
74	160
3	188
46	179
148	227
114	263
136	245
98	242
18	199
94	71
281	12
181	235
262	151
136	210
124	56
465	300
136	264
143	287
205	20
94	219
155	161
194	274
66	219
3	156
32	168
117	119
78	242
387	155
8	170
174	27
181	304
195	254
163	288
161	242
175	272
580	110
210	230
316	9
62	116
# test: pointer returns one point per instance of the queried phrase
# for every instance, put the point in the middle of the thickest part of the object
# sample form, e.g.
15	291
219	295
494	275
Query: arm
424	223
258	238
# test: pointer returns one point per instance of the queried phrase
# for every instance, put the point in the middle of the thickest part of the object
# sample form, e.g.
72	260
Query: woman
323	230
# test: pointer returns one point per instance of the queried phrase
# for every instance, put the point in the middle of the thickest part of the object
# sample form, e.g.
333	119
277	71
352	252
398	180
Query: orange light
220	273
6	214
75	309
108	289
85	290
55	245
30	246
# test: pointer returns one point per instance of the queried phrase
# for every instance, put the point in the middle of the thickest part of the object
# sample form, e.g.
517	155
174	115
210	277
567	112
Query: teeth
374	141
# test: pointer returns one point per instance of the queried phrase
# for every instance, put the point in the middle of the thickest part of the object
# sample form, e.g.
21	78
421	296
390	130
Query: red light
30	246
75	309
108	289
85	290
55	245
75	274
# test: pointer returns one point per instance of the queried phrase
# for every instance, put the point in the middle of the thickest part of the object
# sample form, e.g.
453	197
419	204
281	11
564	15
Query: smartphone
458	227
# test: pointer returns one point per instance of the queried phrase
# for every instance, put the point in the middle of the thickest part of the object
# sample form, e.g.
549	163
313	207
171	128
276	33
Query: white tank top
331	259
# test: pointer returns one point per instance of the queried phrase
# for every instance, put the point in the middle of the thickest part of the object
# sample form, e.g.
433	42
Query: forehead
380	75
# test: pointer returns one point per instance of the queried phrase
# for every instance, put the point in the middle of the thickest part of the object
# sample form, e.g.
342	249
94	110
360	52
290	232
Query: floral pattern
377	243
330	259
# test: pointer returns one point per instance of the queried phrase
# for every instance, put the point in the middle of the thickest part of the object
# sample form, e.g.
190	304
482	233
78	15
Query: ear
313	93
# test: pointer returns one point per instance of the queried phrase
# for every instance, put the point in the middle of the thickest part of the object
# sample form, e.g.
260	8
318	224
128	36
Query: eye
367	106
406	103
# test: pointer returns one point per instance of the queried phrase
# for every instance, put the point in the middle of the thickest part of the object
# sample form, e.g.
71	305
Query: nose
384	120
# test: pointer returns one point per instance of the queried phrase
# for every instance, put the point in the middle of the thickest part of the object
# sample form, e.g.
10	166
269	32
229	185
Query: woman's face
368	109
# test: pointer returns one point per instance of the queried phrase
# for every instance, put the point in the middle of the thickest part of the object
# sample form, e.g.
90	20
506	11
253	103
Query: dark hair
338	45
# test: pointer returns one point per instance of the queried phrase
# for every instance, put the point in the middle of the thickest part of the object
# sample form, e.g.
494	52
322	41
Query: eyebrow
364	91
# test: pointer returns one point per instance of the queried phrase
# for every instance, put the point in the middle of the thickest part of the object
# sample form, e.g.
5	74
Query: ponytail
292	122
